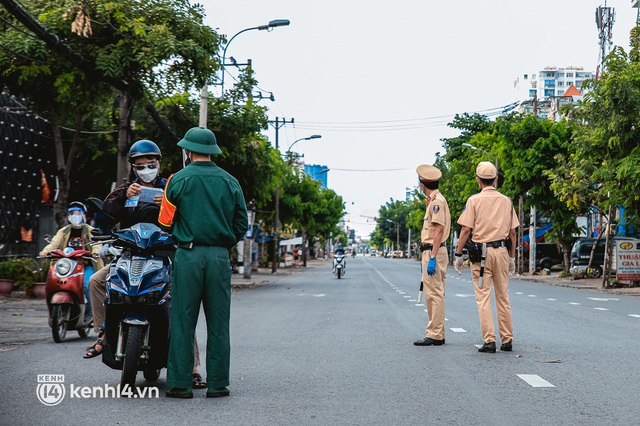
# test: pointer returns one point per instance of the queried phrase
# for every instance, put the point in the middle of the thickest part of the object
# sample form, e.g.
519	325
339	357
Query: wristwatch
457	255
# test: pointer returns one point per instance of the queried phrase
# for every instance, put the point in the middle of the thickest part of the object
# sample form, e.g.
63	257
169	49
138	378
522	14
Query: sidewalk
24	321
594	284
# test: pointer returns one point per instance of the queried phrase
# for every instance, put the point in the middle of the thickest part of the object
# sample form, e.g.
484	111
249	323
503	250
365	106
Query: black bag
474	250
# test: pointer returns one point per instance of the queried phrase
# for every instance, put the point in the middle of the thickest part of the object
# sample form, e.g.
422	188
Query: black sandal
100	336
93	352
198	383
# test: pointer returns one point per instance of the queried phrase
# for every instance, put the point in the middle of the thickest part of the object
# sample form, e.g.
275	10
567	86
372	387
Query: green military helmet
200	140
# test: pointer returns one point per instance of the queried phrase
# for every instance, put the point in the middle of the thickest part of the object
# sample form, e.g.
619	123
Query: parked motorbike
64	293
138	303
339	264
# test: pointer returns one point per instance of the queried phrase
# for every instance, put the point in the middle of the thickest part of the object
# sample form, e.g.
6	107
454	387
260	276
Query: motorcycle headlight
63	267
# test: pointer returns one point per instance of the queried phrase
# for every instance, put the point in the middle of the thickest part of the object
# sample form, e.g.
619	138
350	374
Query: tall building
553	81
317	172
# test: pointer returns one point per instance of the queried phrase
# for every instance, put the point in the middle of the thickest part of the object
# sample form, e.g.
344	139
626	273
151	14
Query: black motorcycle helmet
144	148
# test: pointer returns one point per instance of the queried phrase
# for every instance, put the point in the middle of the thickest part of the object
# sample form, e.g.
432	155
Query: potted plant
9	269
24	273
40	272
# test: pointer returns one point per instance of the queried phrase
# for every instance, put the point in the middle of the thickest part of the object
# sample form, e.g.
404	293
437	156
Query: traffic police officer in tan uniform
435	231
493	219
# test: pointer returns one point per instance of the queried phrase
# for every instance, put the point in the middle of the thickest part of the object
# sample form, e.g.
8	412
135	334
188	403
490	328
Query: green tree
132	46
600	168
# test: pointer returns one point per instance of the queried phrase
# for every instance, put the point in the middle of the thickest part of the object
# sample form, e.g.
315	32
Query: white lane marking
458	330
426	310
573	303
552	300
419	304
519	292
314	295
478	346
532	295
406	297
601	309
403	292
634	315
535	381
465	295
412	300
601	299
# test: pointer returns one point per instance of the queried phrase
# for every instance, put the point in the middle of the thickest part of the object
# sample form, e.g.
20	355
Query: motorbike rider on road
77	235
339	251
121	204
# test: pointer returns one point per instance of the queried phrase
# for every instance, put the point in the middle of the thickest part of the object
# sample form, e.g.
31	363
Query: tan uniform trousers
98	291
433	287
496	275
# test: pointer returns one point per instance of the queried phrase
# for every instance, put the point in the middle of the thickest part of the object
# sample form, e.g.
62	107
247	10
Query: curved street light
204	96
303	139
272	24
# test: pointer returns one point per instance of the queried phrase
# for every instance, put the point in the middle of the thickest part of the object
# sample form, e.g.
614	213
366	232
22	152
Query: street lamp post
248	242
204	96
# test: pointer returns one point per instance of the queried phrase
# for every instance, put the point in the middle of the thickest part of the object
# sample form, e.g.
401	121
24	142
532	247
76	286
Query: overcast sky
379	80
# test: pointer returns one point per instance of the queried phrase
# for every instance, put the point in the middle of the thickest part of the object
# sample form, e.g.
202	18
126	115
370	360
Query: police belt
191	245
424	247
497	244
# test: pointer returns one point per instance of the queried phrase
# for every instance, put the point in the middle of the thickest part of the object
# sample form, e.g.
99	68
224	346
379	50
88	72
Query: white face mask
75	219
147	175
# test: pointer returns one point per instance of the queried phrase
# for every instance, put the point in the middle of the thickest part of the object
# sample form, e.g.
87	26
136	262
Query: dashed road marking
465	295
574	303
406	297
532	295
601	299
551	300
419	304
458	330
519	292
535	381
634	315
601	309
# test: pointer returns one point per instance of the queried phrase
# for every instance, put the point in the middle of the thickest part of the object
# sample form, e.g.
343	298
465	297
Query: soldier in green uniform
206	209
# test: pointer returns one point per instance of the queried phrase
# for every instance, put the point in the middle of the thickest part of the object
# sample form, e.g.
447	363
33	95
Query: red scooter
65	295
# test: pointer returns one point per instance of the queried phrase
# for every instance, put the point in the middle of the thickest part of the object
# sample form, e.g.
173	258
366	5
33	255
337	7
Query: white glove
457	264
103	250
512	266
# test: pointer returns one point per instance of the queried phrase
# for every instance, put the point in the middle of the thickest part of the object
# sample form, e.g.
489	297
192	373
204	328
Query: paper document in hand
147	195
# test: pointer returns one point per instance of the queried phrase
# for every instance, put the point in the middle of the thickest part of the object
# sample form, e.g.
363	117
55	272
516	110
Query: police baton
483	257
421	286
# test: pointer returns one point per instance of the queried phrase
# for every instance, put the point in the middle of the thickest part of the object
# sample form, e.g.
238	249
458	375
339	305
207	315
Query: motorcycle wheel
86	329
151	375
339	272
131	355
59	315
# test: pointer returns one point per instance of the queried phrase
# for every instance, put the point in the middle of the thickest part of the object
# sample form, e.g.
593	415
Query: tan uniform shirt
491	216
437	212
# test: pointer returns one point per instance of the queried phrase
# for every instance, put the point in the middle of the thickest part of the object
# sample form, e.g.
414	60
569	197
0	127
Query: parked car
581	252
547	255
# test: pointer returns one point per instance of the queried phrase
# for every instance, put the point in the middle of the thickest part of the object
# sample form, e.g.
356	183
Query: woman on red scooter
77	235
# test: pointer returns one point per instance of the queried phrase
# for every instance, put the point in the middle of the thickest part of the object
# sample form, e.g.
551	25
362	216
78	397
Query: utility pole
520	235
277	124
532	241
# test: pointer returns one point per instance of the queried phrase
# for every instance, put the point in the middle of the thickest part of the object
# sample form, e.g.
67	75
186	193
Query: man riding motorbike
124	206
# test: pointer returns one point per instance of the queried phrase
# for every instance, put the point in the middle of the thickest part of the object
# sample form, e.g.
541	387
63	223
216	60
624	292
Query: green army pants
201	274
